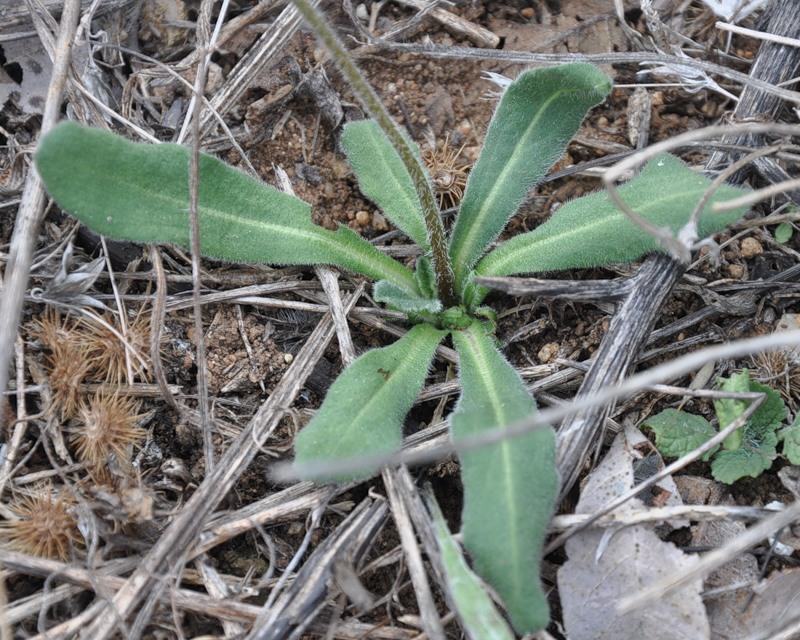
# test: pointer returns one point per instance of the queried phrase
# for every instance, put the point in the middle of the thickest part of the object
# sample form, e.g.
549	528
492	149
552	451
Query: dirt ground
105	517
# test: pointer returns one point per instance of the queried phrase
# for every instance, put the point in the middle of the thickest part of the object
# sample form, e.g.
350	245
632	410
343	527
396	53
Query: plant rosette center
455	318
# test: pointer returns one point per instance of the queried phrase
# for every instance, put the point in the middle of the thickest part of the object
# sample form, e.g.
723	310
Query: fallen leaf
605	566
26	85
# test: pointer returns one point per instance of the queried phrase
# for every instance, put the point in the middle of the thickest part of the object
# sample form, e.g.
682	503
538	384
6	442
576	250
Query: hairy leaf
751	459
678	432
791	441
591	231
425	277
474	607
364	410
383	178
766	419
729	409
769	416
510	487
536	118
402	299
140	192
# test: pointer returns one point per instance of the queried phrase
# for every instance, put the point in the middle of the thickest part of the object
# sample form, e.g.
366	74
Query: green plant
747	451
140	193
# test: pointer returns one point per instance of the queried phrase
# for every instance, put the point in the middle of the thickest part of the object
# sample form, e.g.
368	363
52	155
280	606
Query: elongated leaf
509	488
140	192
729	409
383	178
364	410
535	120
403	300
474	607
425	277
591	231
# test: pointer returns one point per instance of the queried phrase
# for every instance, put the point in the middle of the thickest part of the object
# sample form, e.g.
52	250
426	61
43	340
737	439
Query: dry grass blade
629	329
23	241
281	506
398	497
105	581
296	608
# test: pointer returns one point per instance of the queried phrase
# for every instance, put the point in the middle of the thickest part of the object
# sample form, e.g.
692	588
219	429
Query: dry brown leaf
26	75
605	566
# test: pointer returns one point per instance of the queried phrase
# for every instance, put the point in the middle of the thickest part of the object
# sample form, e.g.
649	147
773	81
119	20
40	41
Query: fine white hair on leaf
500	80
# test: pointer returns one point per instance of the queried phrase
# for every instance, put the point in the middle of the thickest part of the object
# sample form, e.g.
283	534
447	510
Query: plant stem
372	103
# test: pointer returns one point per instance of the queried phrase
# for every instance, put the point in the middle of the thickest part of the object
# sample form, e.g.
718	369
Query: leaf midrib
488	202
588	227
410	204
500	422
410	361
309	232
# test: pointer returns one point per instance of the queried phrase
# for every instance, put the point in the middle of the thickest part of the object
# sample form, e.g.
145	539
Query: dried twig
29	216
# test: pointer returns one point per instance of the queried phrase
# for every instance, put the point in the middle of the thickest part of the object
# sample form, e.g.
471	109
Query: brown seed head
67	362
108	426
781	370
448	173
108	353
46	526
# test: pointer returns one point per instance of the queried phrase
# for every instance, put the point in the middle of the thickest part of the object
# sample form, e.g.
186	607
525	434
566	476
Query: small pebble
751	247
362	218
527	13
735	271
547	352
288	358
379	222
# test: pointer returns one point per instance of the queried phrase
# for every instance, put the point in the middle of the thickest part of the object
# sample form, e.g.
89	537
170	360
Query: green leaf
366	406
751	459
770	415
791	441
783	233
401	299
510	488
766	419
535	120
592	231
475	609
729	409
383	178
678	433
140	192
425	277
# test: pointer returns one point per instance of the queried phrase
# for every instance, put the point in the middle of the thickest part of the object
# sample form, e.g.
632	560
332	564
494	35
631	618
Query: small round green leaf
783	233
677	432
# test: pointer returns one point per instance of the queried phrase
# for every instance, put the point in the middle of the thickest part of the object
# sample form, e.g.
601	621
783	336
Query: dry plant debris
107	424
130	480
44	524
